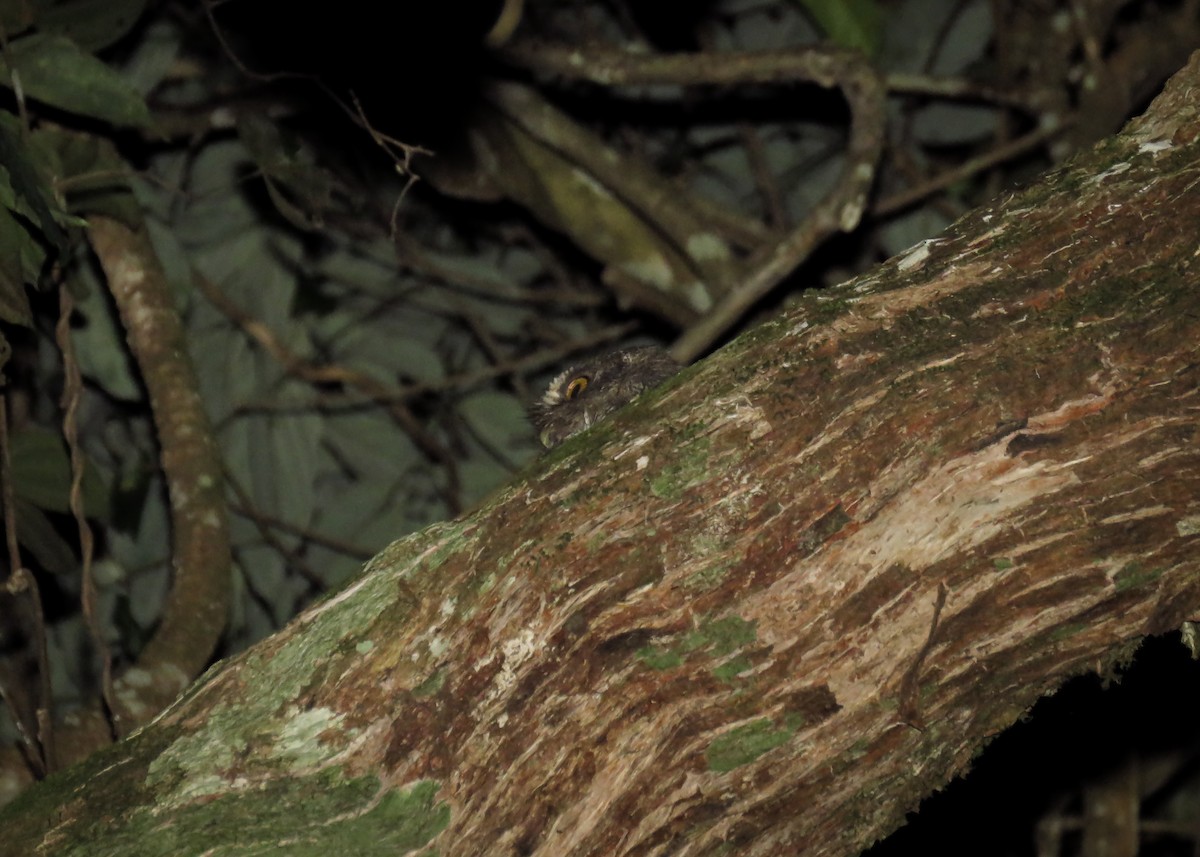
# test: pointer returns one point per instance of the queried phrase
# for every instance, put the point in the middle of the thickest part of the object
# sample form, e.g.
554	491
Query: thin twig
6	491
532	362
910	685
374	389
290	555
38	735
71	394
412	255
246	510
1000	154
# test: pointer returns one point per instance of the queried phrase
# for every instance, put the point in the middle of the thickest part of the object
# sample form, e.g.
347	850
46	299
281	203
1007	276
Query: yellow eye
577	386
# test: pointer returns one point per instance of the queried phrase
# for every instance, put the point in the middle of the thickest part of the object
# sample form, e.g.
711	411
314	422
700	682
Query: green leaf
37	534
90	174
91	24
41	474
99	339
53	69
152	56
24	188
849	23
301	191
14	304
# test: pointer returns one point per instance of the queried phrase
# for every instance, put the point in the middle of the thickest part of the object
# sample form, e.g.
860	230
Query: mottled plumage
589	391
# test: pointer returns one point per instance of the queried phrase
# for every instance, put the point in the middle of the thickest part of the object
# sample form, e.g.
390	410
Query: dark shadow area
1079	734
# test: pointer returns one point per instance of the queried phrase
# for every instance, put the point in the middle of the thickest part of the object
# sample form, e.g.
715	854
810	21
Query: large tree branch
764	610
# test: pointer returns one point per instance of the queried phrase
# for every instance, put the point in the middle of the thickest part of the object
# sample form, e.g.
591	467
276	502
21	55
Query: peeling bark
766	609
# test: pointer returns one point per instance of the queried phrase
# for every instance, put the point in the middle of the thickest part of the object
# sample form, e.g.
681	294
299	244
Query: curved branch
840	209
197	607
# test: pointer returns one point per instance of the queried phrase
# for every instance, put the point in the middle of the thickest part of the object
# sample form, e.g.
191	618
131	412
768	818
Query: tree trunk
763	611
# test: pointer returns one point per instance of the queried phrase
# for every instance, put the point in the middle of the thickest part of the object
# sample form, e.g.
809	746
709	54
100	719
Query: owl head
591	390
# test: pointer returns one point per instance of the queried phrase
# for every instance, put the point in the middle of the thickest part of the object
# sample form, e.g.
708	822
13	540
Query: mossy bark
766	609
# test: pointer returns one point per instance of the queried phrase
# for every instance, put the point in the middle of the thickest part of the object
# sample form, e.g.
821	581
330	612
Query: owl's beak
546	439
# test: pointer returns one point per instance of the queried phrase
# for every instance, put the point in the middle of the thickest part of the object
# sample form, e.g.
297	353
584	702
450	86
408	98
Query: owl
589	391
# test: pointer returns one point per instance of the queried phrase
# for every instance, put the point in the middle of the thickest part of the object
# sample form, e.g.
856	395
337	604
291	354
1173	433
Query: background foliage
381	241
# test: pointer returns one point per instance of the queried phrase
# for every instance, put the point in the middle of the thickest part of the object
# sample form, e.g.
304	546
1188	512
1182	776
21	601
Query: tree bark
766	609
